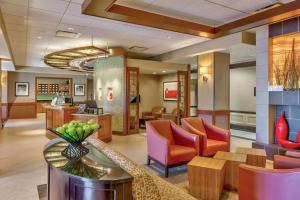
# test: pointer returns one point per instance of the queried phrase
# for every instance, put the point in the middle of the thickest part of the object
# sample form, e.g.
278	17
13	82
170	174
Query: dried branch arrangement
287	73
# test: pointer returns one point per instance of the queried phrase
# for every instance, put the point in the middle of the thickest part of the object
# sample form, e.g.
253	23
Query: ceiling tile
57	6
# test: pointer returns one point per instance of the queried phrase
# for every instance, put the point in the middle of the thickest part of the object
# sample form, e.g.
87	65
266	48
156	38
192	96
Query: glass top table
95	165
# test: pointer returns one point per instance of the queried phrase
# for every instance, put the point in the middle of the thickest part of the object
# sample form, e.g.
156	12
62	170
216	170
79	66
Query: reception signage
170	91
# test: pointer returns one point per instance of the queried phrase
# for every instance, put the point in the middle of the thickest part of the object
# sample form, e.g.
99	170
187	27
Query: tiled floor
22	166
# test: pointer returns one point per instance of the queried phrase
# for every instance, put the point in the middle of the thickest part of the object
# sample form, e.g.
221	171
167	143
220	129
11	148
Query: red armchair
211	138
291	160
170	145
257	183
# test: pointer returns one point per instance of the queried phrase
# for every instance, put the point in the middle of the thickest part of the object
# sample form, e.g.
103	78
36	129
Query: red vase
282	129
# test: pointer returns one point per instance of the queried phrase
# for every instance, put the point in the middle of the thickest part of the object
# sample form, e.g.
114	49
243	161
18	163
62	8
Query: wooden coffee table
256	157
233	160
206	177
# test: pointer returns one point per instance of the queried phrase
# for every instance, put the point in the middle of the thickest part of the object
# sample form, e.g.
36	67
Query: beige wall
149	87
30	77
242	95
151	91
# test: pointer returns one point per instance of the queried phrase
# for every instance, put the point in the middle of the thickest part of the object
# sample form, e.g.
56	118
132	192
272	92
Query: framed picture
79	89
170	91
22	89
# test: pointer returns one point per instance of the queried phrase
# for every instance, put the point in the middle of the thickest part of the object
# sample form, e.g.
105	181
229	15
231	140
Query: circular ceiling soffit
75	59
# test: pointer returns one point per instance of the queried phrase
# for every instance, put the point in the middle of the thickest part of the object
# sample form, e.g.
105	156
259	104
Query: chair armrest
168	116
216	133
285	162
146	114
295	154
185	138
261	183
158	146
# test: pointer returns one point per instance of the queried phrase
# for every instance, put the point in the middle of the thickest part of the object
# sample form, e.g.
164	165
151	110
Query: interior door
132	99
183	101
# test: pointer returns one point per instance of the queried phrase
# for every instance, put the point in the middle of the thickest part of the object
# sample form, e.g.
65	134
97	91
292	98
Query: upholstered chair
155	113
257	183
290	160
173	116
211	138
170	145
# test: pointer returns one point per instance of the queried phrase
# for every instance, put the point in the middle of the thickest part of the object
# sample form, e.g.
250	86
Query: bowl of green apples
75	132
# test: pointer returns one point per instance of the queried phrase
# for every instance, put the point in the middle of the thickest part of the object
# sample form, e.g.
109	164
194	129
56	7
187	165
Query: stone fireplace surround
289	102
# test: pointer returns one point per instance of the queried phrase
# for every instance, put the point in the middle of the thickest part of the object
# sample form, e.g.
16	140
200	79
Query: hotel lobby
150	99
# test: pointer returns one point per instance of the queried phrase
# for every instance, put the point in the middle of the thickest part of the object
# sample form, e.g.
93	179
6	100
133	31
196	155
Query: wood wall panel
22	110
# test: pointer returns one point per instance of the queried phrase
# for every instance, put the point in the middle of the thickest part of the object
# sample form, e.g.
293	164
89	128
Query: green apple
95	127
87	130
91	121
65	126
80	132
60	130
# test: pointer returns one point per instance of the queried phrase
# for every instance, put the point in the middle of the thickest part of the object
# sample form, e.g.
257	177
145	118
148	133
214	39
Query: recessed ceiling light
169	37
164	71
39	37
153	72
71	29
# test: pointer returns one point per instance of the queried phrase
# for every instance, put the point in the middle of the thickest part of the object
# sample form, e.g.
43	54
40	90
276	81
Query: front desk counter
104	120
59	115
93	177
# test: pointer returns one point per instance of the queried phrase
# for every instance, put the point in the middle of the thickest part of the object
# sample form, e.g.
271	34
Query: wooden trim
243	65
214	112
265	17
108	9
20	110
188	90
125	99
244	112
128	70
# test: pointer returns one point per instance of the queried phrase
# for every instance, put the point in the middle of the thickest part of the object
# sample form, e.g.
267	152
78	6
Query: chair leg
148	161
166	171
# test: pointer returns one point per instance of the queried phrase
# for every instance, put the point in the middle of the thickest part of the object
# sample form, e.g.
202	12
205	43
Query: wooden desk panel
255	157
206	177
105	132
233	160
57	116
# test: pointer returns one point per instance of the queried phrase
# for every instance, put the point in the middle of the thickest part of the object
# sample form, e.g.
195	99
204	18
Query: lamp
204	71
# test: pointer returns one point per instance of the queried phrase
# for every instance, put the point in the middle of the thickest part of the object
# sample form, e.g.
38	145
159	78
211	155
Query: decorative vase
75	149
282	129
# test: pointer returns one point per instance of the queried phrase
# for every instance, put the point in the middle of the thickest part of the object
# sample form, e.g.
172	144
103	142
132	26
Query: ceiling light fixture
164	71
169	37
75	59
154	73
39	37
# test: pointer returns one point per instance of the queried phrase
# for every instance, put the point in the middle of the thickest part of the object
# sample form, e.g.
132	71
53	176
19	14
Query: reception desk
92	177
104	120
59	115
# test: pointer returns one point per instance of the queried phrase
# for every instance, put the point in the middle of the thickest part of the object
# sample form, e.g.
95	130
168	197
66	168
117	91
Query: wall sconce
204	71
